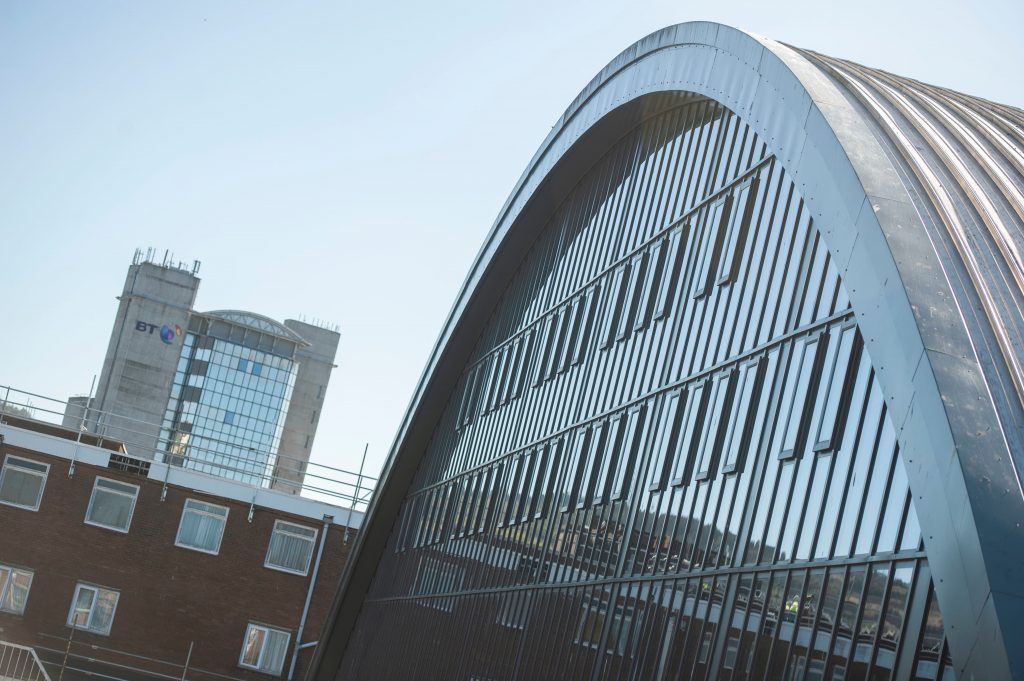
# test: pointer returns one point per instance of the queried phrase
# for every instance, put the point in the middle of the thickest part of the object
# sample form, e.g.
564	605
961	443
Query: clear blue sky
340	160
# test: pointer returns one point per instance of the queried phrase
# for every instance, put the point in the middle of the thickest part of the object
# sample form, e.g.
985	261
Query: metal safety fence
71	660
20	663
150	442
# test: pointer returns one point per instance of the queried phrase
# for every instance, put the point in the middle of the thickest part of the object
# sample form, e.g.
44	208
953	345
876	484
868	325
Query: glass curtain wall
227	409
669	456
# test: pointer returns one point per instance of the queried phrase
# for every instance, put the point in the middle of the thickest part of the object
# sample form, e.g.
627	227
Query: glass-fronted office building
732	392
230	395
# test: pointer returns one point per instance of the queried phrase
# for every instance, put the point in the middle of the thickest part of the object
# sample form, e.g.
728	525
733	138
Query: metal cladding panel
906	201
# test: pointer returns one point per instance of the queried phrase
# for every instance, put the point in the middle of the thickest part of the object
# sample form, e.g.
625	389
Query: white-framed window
14	586
263	648
291	547
92	608
22	482
112	504
202	526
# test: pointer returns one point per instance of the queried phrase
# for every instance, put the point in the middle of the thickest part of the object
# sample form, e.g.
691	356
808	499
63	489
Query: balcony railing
20	663
142	440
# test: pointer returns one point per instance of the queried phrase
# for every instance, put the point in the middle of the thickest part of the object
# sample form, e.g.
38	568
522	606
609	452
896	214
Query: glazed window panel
634	289
470	490
848	614
15	584
499	363
652	281
562	319
515	352
675	247
836	384
202	526
736	232
718	403
111	504
22	481
595	452
878	485
467	515
547	342
933	638
798	397
573	469
575	312
616	300
419	537
291	547
631	439
548	477
665	436
264	648
509	487
708	246
467	392
446	496
522	369
610	461
588	304
489	502
93	608
741	417
524	495
870	619
870	425
892	518
689	434
892	627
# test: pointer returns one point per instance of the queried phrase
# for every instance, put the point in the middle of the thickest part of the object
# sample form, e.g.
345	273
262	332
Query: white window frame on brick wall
206	514
33	468
285	531
115	488
87	620
261	664
8	575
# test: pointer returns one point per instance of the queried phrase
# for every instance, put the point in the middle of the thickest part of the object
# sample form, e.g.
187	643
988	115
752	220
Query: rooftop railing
146	441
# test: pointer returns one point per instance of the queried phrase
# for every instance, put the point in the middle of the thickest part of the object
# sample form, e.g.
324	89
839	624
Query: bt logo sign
167	333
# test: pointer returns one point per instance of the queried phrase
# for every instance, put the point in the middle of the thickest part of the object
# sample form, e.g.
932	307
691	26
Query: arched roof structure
259	323
918	194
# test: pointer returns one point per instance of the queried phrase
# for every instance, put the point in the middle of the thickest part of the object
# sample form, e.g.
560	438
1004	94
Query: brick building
149	569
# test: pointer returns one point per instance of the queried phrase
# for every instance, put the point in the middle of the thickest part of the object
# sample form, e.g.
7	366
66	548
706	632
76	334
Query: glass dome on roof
258	322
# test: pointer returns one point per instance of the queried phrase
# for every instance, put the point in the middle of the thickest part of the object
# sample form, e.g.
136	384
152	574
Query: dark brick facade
170	597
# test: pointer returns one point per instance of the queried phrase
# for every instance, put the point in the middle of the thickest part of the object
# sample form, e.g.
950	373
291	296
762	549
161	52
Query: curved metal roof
257	322
918	193
962	162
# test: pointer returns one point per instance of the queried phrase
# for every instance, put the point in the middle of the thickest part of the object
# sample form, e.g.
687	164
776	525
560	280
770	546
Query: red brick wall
170	596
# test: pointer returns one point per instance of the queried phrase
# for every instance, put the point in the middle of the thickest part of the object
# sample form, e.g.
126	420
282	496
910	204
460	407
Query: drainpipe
328	519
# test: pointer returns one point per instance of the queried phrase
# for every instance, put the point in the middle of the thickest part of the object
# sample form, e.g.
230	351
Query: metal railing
145	440
20	663
100	662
